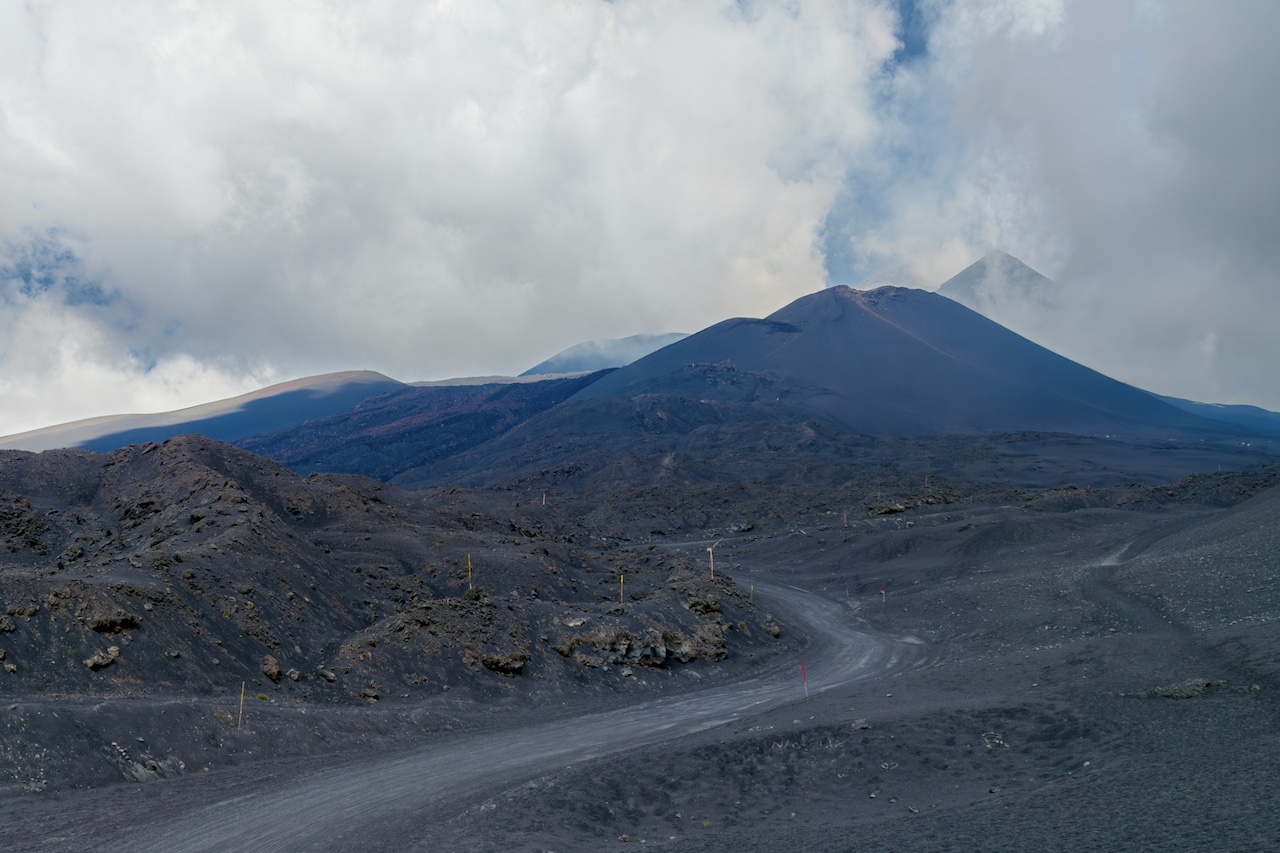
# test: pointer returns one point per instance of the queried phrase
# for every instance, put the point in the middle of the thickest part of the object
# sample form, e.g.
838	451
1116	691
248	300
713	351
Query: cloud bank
198	199
1124	148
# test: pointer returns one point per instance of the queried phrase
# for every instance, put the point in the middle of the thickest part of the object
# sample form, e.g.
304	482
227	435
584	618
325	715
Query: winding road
357	806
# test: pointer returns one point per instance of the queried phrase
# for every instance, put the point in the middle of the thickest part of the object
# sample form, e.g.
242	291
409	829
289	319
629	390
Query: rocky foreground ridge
189	567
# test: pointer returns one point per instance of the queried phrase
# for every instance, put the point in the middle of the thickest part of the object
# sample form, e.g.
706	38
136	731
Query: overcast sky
199	199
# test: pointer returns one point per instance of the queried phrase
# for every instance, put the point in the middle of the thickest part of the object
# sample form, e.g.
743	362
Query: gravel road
391	801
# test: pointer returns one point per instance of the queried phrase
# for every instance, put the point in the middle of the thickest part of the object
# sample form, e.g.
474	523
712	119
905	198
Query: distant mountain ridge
1250	417
270	408
385	435
892	361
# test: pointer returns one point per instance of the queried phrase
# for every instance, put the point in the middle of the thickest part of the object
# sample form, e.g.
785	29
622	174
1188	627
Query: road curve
355	805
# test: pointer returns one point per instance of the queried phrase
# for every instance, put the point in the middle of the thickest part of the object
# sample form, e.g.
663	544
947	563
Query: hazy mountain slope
998	281
599	355
894	361
225	420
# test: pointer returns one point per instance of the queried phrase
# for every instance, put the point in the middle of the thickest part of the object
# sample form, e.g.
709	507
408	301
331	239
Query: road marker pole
622	600
805	679
241	715
469	570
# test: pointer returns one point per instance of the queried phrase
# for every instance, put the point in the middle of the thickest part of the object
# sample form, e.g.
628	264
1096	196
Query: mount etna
872	572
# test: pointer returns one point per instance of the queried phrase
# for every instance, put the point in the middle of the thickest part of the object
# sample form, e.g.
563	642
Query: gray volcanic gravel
1077	670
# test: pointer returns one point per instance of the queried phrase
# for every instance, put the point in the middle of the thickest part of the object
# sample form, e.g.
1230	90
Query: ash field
967	595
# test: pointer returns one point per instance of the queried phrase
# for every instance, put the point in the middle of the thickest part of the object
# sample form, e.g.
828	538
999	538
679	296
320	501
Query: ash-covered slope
895	361
185	568
1222	571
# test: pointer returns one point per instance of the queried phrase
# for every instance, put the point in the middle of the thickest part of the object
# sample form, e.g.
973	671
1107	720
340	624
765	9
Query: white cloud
439	188
430	189
1123	147
82	372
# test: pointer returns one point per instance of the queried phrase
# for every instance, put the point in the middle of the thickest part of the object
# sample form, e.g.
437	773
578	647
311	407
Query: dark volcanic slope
384	436
896	361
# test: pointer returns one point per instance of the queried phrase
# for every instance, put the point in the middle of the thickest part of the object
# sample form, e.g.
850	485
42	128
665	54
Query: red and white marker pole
805	679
